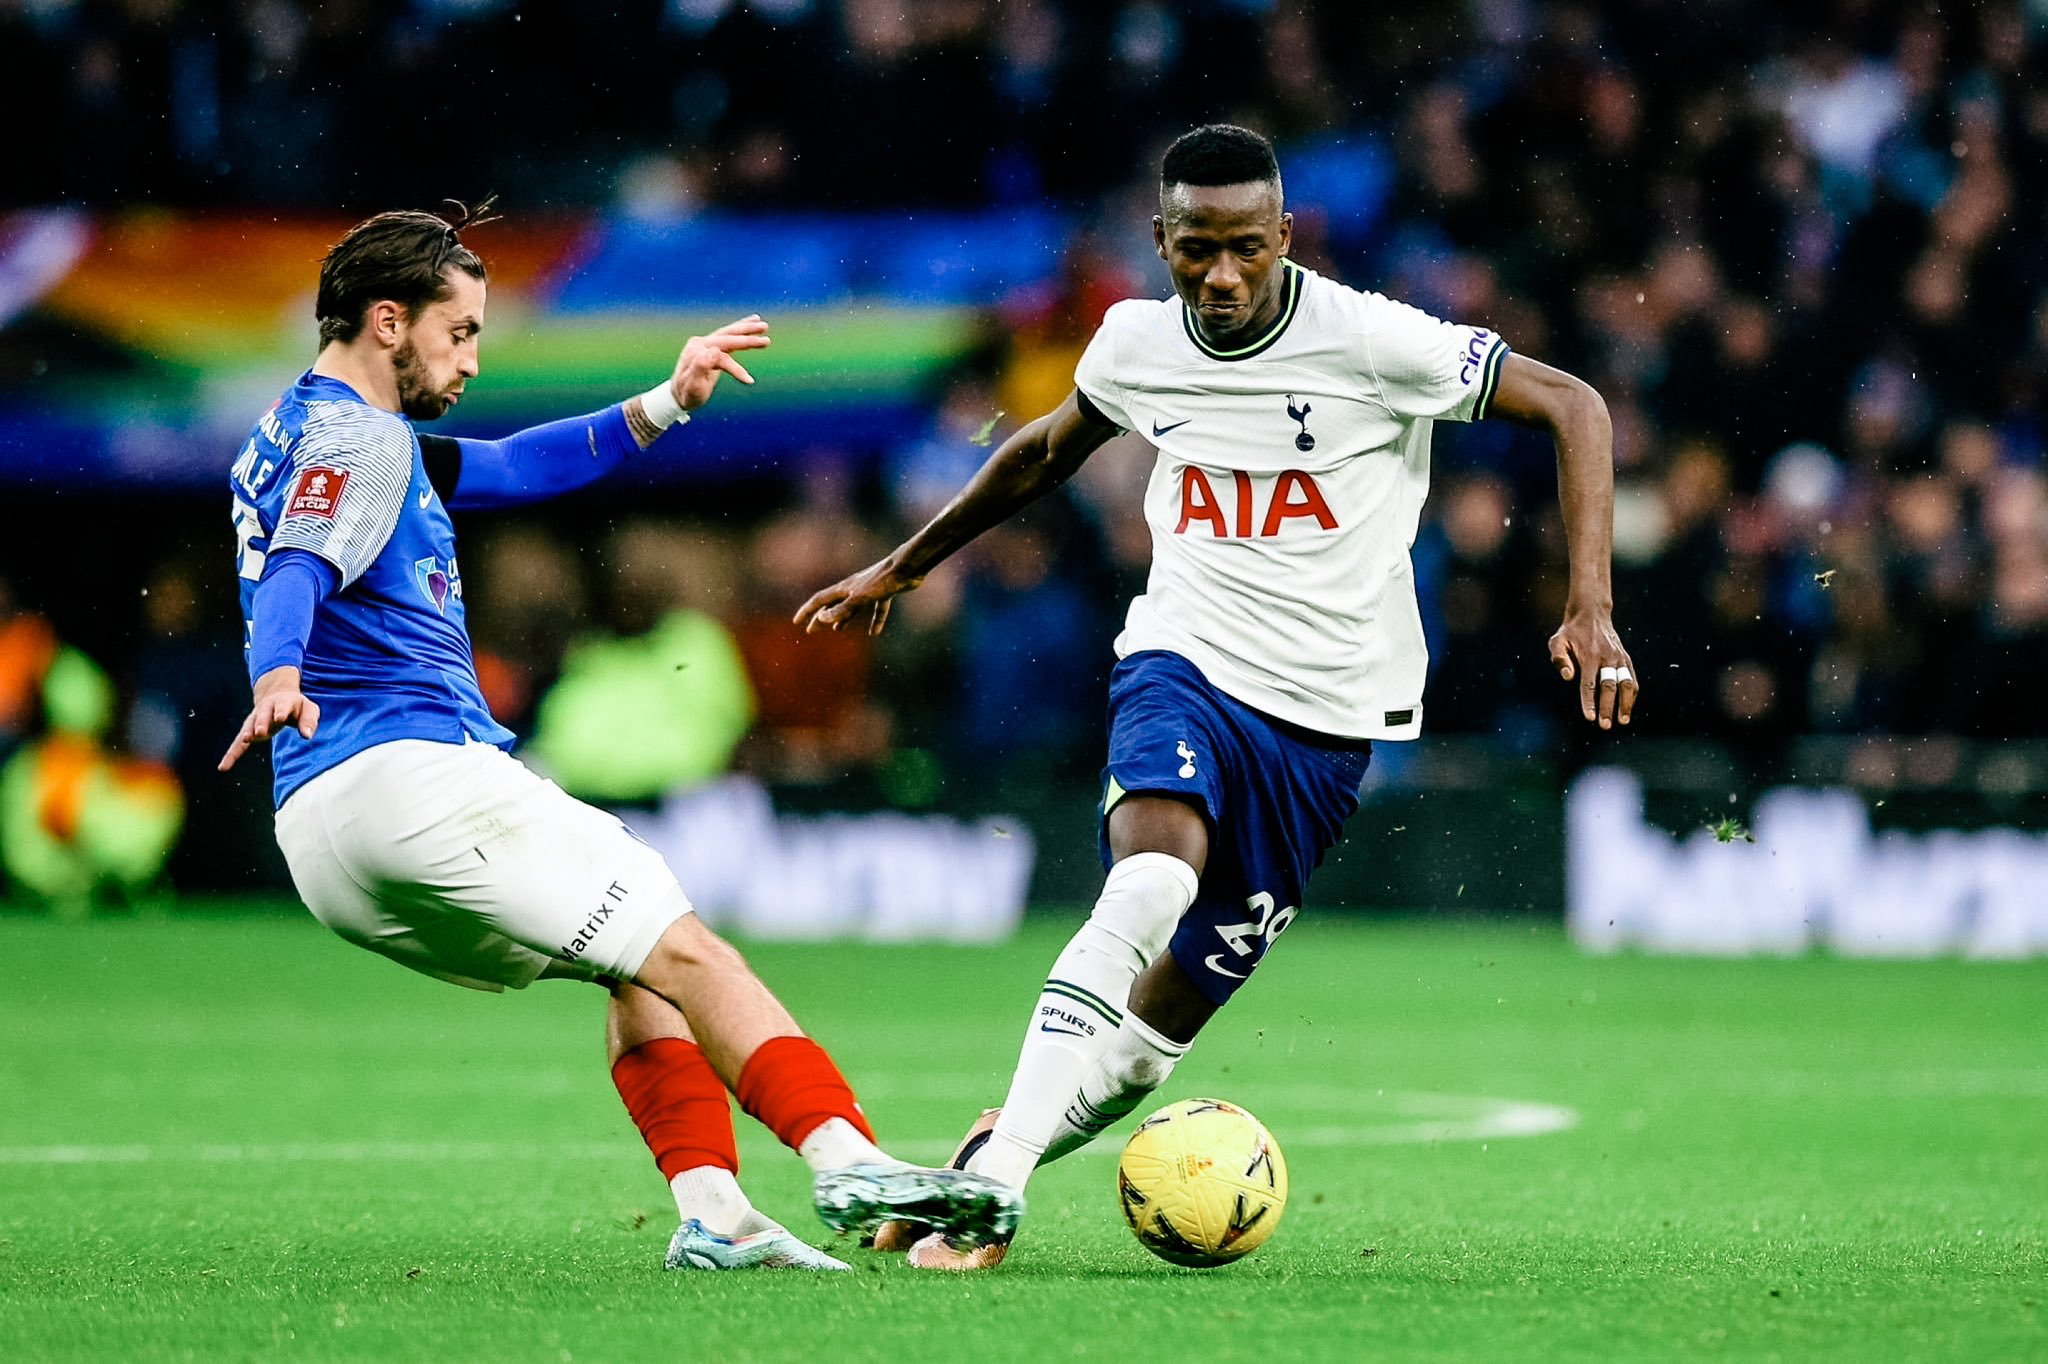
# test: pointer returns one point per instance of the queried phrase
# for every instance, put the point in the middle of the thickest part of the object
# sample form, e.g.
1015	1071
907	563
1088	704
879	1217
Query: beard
418	398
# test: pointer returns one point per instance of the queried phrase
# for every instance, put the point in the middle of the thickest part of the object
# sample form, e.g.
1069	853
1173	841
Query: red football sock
679	1105
791	1086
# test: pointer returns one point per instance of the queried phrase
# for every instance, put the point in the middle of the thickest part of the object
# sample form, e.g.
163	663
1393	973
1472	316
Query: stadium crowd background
1797	249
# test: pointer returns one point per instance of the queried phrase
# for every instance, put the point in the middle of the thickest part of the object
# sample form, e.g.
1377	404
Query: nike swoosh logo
1064	1032
426	495
1158	430
1213	962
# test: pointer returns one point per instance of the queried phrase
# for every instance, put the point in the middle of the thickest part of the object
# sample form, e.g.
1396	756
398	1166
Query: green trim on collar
1246	352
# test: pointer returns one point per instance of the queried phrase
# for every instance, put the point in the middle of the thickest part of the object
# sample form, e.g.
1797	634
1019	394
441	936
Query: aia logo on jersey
438	586
318	493
1257	511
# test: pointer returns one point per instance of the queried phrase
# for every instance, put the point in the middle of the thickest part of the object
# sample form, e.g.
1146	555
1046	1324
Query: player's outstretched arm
561	456
1041	455
1585	648
704	358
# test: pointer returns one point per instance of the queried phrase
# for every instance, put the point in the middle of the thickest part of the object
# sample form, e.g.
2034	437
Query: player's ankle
1005	1159
754	1224
711	1195
836	1143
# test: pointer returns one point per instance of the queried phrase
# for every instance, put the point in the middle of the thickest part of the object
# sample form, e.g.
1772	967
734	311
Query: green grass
334	1159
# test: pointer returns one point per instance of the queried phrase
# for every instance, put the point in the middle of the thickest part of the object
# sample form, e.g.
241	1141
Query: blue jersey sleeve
294	584
350	474
541	461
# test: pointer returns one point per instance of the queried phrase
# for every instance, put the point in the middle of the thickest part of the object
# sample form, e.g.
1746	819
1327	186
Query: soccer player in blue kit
410	830
1278	635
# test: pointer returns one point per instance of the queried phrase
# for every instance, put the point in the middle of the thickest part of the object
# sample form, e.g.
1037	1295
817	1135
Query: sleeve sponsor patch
318	493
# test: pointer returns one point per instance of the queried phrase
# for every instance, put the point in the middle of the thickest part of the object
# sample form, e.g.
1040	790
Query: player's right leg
1159	843
458	861
679	1105
1250	804
788	1083
1163	792
1164	787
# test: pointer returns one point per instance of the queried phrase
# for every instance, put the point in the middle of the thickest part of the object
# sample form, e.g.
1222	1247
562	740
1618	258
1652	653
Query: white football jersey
1289	481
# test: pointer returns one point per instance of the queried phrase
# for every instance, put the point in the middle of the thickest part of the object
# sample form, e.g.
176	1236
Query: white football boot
898	1235
772	1246
971	1207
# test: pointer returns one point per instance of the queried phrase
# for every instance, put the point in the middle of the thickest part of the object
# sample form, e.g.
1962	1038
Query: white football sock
754	1223
836	1143
1136	1062
1082	1006
712	1195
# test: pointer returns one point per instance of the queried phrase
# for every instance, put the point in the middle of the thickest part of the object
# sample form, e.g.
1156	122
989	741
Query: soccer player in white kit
408	828
1278	635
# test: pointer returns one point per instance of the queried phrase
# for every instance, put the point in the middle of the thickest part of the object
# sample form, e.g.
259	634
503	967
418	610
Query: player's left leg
1302	794
1167	1009
679	1104
788	1083
500	877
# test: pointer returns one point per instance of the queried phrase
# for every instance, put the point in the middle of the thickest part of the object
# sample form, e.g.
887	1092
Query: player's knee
1143	899
688	947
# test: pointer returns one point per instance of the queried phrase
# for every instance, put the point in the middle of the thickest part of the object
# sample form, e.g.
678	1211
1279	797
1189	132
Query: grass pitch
237	1138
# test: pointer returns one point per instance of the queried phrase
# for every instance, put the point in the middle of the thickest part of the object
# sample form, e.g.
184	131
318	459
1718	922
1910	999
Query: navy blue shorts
1276	797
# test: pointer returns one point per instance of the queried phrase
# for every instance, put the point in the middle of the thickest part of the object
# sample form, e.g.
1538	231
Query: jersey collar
327	386
1293	286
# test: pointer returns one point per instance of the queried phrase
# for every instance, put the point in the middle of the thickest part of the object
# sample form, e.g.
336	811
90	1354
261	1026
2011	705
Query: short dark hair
403	256
1219	154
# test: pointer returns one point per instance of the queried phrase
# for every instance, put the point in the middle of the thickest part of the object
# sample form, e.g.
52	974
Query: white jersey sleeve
1096	376
1425	367
351	472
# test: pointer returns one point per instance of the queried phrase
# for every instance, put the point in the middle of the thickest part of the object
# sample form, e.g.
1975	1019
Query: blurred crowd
1797	249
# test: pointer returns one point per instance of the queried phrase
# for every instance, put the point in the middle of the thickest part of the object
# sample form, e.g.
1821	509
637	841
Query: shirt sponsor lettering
1474	358
1292	494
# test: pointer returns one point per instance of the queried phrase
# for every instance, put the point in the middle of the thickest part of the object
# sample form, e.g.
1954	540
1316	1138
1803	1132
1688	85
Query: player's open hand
869	590
1586	649
704	358
280	705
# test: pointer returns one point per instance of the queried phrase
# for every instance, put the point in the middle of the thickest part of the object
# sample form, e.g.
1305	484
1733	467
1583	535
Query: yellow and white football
1202	1183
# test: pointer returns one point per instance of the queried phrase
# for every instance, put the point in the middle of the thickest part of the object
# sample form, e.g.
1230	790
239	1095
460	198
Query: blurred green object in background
634	718
79	824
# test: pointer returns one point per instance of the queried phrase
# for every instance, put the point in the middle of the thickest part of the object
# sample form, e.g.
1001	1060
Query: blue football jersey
389	656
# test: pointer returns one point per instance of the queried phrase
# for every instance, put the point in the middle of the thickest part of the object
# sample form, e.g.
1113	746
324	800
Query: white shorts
460	862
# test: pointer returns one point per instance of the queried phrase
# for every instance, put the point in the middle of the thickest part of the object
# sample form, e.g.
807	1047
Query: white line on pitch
1427	1118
